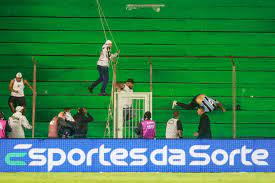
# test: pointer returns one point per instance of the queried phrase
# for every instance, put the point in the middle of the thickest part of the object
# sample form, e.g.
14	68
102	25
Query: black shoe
103	94
90	89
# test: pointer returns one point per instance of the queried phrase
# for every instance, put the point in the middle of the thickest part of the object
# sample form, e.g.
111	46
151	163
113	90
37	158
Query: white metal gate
129	109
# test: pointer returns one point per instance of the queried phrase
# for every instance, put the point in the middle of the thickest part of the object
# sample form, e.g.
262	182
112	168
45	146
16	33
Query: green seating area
189	44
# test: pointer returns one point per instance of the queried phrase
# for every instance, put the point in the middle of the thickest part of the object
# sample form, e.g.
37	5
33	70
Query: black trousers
192	105
103	77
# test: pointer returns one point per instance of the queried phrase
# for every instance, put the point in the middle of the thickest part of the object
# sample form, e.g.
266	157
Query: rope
106	22
102	21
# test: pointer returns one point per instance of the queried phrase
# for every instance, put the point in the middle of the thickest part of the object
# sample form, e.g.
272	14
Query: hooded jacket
17	121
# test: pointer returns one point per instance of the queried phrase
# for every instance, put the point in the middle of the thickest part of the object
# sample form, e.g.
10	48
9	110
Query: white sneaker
174	104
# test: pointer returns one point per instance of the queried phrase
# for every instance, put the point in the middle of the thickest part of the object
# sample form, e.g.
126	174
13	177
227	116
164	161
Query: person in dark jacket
82	123
204	130
66	125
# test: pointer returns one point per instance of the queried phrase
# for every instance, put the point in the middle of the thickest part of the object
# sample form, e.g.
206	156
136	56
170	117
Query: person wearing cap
16	88
103	67
174	127
147	128
17	121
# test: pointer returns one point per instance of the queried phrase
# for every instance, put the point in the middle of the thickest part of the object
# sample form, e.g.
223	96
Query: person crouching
147	128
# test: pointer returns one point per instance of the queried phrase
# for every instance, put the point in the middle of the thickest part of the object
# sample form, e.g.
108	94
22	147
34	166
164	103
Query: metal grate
128	112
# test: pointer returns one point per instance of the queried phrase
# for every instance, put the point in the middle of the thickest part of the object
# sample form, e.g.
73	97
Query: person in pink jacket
4	126
147	128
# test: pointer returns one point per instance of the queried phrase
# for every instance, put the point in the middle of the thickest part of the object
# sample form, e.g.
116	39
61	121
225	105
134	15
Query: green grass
138	177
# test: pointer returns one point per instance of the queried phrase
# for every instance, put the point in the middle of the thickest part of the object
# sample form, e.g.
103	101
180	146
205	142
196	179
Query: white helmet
108	42
19	75
19	109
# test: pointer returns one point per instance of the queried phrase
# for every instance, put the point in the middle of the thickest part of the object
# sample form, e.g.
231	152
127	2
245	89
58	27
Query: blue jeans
103	77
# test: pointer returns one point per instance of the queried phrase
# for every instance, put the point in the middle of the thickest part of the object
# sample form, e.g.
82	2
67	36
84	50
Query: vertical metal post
33	97
134	117
151	75
125	122
151	84
234	93
115	117
139	116
129	120
114	101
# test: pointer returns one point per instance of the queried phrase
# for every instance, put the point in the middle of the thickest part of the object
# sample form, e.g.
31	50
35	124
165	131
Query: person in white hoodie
17	121
103	67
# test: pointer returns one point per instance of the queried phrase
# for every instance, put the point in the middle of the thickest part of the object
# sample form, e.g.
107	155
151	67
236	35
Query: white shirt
105	56
17	121
171	129
18	86
127	102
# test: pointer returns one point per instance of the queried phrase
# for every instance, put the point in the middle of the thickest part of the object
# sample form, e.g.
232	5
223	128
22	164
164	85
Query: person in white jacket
17	121
103	64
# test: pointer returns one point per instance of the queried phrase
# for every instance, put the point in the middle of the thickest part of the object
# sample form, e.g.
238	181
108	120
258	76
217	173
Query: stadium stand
190	51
